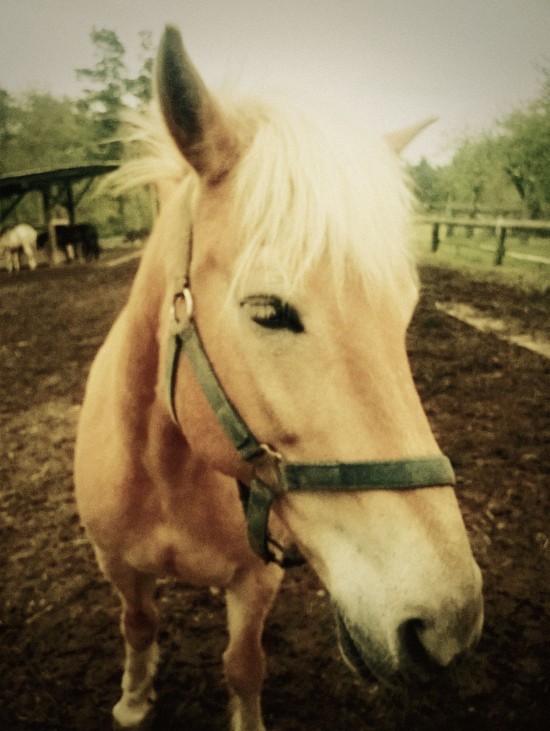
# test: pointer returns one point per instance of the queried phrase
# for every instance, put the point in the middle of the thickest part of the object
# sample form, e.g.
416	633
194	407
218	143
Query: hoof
137	718
146	724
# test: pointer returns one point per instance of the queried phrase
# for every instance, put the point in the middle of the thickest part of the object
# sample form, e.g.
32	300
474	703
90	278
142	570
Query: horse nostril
427	651
413	650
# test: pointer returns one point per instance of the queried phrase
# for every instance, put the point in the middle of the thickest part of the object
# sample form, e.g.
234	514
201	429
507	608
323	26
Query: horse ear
399	139
191	114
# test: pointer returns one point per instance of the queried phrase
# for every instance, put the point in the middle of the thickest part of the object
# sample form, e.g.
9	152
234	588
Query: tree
102	103
110	90
510	161
525	149
429	185
501	169
141	87
471	171
6	128
109	93
39	131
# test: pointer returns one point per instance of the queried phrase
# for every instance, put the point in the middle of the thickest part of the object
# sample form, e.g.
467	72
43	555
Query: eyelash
278	315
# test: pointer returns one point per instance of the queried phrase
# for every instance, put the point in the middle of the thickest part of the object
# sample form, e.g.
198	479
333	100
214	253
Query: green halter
282	476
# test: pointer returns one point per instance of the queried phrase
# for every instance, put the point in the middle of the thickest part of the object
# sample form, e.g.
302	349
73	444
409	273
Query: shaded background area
60	650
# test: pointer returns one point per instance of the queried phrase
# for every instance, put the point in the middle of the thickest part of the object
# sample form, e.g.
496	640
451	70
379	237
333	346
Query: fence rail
500	225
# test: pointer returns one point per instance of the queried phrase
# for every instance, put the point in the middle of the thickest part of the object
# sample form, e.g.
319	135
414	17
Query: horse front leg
139	623
31	256
248	602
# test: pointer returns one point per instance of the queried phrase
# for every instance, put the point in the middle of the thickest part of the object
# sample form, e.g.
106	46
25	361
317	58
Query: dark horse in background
76	241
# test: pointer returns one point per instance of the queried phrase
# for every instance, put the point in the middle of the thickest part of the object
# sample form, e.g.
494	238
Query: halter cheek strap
277	475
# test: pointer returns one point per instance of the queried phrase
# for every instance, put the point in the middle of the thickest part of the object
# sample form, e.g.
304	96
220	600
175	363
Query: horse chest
196	535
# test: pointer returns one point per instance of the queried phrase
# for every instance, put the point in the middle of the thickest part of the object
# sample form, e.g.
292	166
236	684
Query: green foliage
7	130
102	102
525	149
39	131
141	87
505	169
476	176
110	90
429	185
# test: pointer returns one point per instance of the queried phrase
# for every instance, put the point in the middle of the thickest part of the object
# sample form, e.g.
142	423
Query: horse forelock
304	189
310	190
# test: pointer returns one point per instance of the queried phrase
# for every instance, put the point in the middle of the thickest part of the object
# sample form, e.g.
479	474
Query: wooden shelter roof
24	182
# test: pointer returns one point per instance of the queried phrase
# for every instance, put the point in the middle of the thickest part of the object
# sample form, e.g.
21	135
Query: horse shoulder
134	467
100	448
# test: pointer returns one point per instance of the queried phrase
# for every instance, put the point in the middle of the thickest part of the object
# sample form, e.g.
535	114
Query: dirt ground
60	650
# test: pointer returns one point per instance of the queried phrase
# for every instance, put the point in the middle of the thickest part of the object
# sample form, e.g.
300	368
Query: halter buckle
268	451
267	464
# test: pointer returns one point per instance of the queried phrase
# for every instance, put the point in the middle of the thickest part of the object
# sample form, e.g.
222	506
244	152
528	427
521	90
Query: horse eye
272	313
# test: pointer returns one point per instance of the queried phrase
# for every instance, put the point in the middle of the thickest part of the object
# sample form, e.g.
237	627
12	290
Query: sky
390	63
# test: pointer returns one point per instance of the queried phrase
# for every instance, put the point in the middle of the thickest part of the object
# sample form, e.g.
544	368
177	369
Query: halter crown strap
399	474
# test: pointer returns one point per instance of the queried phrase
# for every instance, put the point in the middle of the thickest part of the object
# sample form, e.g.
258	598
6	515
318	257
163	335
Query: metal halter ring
187	297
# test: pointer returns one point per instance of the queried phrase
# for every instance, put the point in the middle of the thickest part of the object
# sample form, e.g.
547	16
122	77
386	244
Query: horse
78	240
17	240
253	404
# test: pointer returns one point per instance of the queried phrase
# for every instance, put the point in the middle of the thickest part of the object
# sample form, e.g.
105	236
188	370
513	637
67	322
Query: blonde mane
308	190
304	190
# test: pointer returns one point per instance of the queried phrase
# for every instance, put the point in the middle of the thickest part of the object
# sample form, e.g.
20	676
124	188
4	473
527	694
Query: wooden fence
501	226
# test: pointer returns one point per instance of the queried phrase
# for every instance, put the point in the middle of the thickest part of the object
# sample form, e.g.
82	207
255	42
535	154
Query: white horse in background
20	238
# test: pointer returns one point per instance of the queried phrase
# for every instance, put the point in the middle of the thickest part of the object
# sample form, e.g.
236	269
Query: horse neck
146	312
136	349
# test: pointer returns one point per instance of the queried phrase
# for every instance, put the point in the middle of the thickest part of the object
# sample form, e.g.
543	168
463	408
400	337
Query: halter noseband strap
273	475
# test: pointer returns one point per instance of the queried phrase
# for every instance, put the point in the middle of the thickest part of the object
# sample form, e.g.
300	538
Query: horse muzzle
423	649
